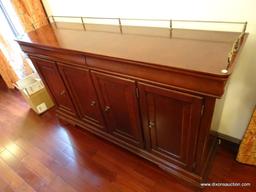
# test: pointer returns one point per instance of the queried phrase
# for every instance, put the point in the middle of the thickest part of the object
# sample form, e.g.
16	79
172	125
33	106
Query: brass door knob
62	92
107	108
151	124
93	103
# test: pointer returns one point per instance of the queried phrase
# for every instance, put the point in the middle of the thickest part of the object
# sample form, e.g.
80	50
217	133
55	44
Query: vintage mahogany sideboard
149	90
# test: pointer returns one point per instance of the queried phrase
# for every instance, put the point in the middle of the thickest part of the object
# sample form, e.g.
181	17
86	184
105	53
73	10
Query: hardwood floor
37	153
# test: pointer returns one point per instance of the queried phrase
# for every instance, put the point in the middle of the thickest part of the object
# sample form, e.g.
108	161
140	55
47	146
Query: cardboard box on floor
35	93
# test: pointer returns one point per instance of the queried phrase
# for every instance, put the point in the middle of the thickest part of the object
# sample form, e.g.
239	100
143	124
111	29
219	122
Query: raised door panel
171	121
79	82
50	75
120	106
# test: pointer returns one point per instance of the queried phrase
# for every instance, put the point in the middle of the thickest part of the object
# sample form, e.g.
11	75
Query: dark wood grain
171	121
120	106
79	82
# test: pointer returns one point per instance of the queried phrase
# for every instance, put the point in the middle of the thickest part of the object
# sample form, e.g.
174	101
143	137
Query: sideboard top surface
193	50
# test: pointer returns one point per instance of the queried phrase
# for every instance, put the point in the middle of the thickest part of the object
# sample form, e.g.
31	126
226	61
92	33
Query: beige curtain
13	64
6	70
247	149
31	13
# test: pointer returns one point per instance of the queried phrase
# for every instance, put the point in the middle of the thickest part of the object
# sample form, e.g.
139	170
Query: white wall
241	94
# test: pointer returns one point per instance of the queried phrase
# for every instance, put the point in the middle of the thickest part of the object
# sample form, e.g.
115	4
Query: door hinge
137	92
202	110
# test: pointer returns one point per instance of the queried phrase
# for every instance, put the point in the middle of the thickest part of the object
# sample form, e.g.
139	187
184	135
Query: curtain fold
247	149
7	72
13	64
31	13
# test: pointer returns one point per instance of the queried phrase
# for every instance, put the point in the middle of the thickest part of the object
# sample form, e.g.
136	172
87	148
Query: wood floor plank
16	150
123	171
91	169
27	175
38	154
60	185
3	185
74	179
1	148
41	170
6	189
15	182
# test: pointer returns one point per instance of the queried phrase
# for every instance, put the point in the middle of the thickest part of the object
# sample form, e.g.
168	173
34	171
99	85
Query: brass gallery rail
230	58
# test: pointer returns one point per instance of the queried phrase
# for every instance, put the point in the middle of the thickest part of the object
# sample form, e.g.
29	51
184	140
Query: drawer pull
62	92
107	108
93	103
151	124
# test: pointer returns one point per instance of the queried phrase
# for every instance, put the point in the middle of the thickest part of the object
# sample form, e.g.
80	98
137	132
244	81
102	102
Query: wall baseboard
229	138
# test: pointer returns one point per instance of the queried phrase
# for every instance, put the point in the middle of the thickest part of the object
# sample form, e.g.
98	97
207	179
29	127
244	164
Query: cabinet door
120	106
171	121
50	75
80	86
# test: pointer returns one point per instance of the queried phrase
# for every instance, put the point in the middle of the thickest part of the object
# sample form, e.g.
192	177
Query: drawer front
188	81
55	54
